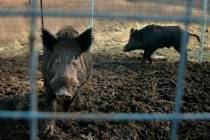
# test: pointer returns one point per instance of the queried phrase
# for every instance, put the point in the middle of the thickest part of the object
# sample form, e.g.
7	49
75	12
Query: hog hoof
49	128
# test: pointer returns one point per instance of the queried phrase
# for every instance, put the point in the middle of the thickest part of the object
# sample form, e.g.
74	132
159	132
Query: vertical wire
32	77
91	13
42	18
203	29
91	3
181	70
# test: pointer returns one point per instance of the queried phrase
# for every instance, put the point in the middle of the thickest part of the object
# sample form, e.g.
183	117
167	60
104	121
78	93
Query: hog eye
74	61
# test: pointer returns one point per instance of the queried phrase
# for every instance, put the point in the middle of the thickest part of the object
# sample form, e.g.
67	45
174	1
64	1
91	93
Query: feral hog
66	66
152	37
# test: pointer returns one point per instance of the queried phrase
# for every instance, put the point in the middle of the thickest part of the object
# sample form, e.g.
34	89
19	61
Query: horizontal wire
104	116
108	15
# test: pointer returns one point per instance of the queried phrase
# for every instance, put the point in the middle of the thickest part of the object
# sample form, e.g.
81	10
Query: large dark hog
152	37
66	67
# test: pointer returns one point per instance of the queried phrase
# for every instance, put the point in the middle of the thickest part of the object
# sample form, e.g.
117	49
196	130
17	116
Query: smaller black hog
152	37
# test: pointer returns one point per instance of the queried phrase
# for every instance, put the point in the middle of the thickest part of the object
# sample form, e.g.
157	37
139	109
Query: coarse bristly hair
66	33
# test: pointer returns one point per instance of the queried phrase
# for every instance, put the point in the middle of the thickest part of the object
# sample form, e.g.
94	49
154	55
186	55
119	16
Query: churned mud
119	84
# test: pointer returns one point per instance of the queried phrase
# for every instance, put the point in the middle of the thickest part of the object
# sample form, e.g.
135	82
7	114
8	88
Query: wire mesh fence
21	20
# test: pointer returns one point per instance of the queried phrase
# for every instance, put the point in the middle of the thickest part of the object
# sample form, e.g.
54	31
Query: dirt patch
119	84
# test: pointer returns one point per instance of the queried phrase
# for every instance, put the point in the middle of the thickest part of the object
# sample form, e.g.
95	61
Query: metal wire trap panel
113	18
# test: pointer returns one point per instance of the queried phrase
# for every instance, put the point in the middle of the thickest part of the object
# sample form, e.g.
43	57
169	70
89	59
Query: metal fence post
91	13
203	29
181	71
32	78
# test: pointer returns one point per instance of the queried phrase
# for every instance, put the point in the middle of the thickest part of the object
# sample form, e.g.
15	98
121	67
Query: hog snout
65	92
70	88
65	85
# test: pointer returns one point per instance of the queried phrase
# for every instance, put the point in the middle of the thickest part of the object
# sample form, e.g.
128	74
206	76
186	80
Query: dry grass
109	34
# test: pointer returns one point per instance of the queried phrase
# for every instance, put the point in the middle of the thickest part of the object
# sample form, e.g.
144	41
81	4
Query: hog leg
177	48
150	60
52	122
144	57
49	126
147	56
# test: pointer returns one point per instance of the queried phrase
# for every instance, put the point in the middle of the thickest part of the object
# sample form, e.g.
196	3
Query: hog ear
85	40
132	30
48	39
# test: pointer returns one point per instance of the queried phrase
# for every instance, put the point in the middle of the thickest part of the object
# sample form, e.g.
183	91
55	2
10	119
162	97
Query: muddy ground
119	84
